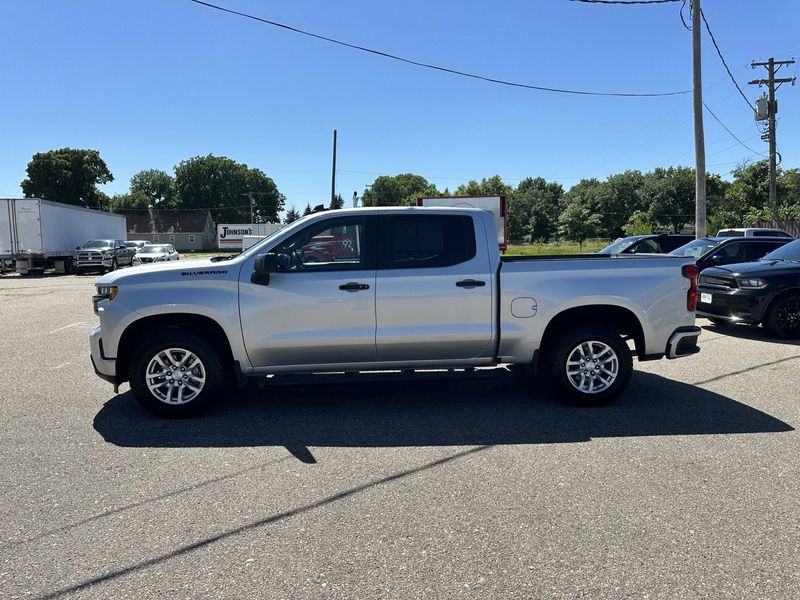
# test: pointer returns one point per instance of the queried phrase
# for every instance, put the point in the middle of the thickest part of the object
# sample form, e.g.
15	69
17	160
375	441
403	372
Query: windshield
134	244
619	245
98	243
790	251
153	250
695	248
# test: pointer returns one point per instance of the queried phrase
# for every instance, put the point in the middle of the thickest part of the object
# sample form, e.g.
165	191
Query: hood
755	269
164	270
97	248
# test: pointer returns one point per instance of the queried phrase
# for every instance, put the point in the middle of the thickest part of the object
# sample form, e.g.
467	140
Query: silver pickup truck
388	288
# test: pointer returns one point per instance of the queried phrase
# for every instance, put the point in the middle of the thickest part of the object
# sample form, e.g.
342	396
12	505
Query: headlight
104	292
754	283
108	254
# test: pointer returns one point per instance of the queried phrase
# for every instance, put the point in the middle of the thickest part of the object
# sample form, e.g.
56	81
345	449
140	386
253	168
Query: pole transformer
772	110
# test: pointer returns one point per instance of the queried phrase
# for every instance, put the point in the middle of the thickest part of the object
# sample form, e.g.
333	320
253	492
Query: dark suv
102	255
655	243
766	291
717	251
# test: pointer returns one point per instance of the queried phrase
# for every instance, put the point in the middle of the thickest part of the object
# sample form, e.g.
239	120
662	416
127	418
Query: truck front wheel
590	366
175	374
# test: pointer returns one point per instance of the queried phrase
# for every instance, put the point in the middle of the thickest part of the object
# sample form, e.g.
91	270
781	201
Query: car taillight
691	272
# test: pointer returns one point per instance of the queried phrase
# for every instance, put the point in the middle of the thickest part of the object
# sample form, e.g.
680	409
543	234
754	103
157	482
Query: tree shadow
468	411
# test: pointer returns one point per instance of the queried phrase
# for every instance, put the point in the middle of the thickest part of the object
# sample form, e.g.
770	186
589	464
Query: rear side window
425	241
759	249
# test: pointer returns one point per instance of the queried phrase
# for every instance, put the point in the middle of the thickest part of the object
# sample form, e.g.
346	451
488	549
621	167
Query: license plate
705	298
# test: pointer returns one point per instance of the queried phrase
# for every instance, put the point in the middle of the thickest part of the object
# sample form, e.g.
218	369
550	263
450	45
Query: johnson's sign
229	236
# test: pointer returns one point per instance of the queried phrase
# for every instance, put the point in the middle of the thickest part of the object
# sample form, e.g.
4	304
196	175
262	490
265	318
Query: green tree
157	185
337	202
227	188
577	222
670	194
291	215
639	223
492	186
533	210
308	210
68	175
397	190
130	201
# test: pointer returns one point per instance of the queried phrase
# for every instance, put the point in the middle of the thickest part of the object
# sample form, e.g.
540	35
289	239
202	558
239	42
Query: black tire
615	354
114	264
783	317
210	367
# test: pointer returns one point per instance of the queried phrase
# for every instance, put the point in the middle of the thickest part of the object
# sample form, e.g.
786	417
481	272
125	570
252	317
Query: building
184	229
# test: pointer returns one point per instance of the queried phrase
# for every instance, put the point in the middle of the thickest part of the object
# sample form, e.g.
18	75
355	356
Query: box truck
37	234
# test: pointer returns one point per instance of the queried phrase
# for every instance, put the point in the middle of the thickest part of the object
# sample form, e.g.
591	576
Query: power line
716	118
439	68
724	64
625	1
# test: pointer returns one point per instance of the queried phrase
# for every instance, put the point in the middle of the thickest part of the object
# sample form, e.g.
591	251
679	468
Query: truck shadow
468	411
748	332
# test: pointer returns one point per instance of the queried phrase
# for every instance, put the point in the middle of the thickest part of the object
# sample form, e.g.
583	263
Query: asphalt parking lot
477	487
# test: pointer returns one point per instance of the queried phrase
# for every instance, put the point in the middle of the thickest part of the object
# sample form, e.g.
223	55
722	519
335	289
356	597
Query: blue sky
149	83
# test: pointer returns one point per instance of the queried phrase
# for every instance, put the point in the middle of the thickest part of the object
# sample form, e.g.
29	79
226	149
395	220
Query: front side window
425	241
330	245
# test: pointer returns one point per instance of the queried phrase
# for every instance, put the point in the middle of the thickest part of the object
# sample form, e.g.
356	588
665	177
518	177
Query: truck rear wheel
175	374
590	366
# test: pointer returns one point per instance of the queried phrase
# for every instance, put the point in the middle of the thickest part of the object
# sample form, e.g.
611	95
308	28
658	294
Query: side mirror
77	247
264	265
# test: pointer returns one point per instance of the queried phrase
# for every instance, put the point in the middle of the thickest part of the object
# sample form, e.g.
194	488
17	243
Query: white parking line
64	327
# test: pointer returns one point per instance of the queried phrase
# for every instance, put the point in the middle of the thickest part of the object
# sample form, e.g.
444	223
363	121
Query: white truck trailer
37	234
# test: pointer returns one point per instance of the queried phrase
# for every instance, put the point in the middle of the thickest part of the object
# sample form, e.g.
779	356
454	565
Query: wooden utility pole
699	140
333	171
772	110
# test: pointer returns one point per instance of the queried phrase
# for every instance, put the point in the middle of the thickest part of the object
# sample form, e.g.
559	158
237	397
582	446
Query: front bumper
736	306
105	368
93	264
683	342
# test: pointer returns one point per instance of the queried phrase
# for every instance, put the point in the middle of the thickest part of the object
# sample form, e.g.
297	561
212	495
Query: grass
556	248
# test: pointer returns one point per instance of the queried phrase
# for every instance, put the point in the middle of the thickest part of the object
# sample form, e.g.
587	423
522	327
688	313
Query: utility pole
772	110
333	171
699	140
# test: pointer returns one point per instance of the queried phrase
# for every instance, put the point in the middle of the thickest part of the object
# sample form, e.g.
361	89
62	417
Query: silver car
153	253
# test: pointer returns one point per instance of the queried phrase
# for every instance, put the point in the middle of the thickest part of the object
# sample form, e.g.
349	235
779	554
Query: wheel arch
619	318
138	331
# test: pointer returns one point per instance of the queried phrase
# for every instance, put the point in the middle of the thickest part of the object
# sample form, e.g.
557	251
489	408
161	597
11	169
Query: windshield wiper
221	258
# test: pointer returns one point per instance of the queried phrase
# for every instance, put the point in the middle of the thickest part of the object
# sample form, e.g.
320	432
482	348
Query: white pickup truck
388	288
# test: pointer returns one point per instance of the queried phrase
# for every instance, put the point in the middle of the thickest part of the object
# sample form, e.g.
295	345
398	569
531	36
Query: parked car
136	244
102	255
717	251
753	232
417	288
766	291
152	253
654	243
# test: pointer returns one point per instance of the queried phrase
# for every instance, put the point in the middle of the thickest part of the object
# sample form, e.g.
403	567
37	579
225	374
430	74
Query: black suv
655	243
718	251
766	292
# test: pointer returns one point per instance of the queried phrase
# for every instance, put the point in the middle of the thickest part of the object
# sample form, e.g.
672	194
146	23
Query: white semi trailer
37	234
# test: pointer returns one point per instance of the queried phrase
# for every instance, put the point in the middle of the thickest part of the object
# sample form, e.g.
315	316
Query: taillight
691	272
